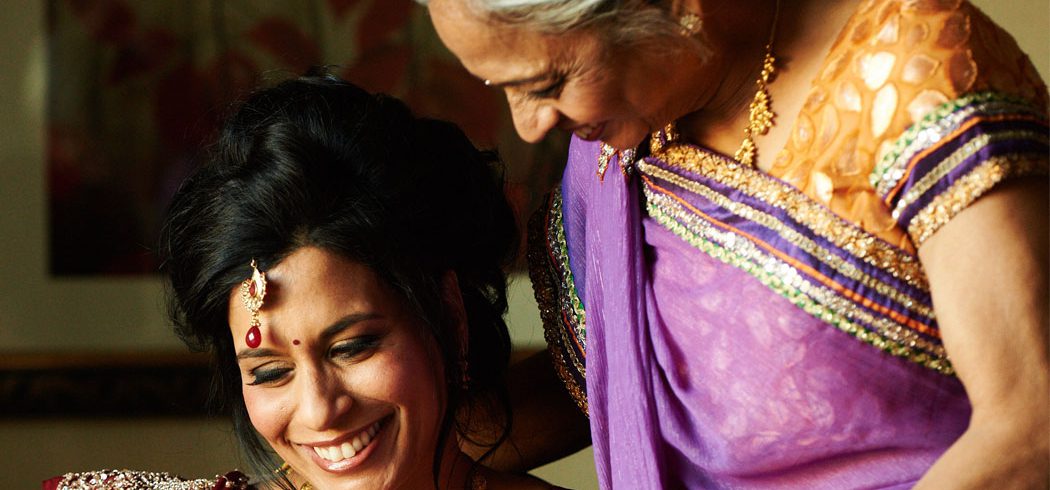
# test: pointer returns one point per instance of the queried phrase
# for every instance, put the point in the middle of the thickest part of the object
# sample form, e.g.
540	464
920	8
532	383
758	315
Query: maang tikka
253	291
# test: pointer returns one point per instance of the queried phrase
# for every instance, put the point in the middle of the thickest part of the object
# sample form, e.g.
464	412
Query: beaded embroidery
562	311
147	480
830	268
954	155
626	158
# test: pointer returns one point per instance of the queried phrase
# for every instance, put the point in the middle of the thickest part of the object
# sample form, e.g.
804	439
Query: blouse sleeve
561	310
979	113
956	154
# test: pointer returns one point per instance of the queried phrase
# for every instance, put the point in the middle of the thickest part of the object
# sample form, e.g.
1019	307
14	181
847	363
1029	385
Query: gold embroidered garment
921	108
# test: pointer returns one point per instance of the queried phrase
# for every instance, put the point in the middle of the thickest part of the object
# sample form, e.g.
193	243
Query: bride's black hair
317	161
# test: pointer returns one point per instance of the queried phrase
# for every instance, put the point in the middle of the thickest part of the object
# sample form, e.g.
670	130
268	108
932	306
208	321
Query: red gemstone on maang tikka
254	337
253	291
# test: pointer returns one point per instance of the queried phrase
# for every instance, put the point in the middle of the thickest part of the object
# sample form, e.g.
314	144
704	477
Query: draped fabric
729	328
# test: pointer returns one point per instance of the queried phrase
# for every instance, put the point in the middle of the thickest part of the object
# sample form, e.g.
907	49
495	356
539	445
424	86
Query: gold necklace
759	118
760	115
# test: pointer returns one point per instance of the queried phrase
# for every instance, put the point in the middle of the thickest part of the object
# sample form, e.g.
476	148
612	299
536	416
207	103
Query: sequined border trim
939	124
967	189
802	269
799	207
562	312
917	192
804	243
821	302
130	480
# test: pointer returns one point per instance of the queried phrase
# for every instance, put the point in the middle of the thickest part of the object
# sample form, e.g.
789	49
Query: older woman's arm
988	272
547	423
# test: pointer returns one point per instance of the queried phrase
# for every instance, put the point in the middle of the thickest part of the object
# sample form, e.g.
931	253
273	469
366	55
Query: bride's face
346	385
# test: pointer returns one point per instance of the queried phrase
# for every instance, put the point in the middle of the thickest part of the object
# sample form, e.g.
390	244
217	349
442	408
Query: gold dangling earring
690	24
760	115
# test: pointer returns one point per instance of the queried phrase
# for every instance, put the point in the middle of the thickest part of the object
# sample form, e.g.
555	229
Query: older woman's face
572	82
346	386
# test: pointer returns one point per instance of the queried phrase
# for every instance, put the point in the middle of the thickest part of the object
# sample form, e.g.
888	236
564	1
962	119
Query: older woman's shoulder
895	64
929	52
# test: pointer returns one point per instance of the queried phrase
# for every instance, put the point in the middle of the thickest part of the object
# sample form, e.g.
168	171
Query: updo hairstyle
319	162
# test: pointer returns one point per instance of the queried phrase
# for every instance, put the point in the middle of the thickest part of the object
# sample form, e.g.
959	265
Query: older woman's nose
322	402
533	120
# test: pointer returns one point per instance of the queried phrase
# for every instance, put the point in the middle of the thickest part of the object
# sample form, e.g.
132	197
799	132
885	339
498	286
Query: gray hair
619	21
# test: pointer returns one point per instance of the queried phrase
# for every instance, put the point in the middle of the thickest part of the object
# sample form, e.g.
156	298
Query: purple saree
727	328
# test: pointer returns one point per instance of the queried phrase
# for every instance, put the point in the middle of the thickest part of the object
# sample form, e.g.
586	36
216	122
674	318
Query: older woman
341	260
797	243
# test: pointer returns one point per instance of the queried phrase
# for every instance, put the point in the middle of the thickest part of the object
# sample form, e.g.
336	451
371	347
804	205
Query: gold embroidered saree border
792	236
560	307
820	220
820	302
895	316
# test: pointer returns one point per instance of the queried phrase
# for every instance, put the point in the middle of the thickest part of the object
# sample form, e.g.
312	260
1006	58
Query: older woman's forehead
493	50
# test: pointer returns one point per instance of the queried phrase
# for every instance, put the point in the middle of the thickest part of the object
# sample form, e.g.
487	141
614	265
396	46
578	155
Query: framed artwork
136	90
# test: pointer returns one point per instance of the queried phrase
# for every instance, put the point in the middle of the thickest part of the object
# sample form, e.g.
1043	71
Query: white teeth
586	131
350	448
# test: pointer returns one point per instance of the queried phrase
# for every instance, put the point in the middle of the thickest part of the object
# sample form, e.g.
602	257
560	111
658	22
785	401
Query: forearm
995	454
988	279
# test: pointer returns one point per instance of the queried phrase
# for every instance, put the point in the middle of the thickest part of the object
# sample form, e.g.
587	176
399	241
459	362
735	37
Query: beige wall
38	313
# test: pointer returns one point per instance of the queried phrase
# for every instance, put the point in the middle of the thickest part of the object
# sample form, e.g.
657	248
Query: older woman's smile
589	132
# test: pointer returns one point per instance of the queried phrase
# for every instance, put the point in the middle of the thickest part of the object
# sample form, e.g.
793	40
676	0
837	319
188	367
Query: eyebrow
346	322
330	331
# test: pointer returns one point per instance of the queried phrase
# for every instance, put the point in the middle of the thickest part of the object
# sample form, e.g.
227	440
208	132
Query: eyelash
353	348
343	350
265	376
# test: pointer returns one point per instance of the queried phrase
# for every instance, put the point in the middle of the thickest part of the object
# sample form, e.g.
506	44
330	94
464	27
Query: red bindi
296	342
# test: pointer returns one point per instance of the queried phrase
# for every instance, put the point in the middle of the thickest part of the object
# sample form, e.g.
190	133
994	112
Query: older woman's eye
355	347
265	375
551	91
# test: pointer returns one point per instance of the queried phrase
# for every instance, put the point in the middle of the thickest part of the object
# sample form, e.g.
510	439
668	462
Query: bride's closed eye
268	373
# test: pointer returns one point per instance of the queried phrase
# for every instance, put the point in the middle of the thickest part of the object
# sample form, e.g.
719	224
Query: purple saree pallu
725	327
699	376
723	330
